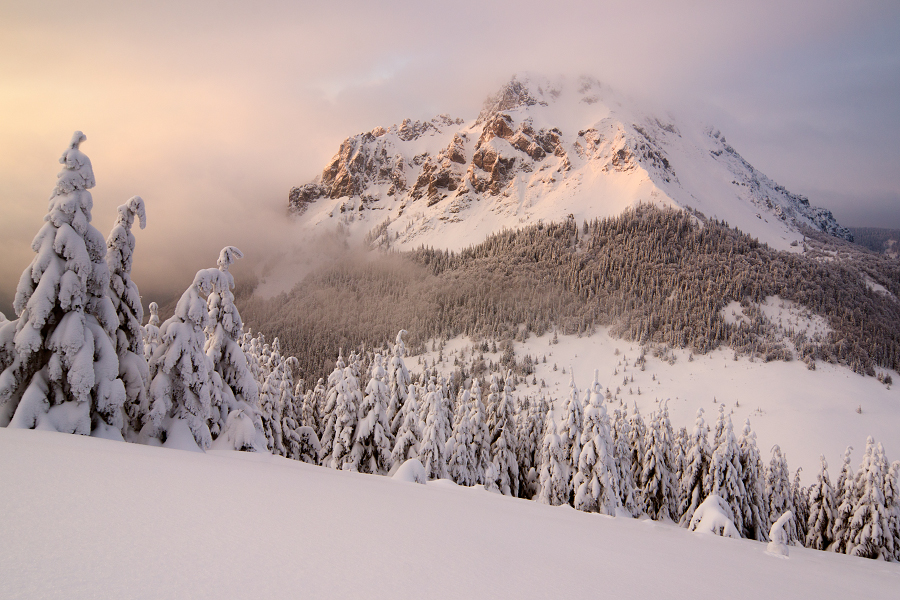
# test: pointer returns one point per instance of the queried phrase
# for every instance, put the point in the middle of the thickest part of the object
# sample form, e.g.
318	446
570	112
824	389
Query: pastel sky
211	111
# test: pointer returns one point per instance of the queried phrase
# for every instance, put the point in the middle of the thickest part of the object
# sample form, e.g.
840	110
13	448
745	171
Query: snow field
89	518
807	413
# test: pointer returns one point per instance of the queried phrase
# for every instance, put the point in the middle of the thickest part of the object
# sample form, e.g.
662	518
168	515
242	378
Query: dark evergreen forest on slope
655	276
878	239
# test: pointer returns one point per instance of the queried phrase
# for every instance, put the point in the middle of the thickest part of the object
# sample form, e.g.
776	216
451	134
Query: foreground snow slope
89	518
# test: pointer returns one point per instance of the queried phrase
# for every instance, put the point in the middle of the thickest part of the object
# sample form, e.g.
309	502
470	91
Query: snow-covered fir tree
658	486
724	478
129	336
58	364
570	432
492	406
398	382
238	389
845	498
150	332
461	408
596	480
299	442
333	391
481	438
409	435
462	456
553	471
274	400
313	406
624	456
869	524
822	511
180	384
433	452
529	432
754	508
892	504
694	475
637	435
374	442
800	500
348	400
503	449
778	492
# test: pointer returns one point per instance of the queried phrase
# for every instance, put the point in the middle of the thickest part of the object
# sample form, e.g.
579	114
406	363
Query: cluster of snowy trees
78	360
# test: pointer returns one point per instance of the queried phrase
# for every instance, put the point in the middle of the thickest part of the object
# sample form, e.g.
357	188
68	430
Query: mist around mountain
654	276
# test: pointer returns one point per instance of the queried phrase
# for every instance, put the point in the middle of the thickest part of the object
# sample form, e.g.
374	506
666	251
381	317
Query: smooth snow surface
95	519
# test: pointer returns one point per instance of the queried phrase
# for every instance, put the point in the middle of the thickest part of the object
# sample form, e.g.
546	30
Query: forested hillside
878	239
655	275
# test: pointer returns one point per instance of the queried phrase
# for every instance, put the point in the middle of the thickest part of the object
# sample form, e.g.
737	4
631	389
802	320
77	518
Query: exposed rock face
522	146
514	94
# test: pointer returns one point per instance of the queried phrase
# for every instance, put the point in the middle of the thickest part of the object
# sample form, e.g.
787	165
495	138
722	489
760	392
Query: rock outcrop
522	146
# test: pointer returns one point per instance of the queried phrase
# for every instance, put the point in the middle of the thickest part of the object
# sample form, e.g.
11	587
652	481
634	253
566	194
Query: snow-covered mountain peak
541	149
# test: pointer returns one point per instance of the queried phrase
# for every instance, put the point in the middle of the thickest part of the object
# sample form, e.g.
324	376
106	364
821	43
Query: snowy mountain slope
90	518
541	150
807	413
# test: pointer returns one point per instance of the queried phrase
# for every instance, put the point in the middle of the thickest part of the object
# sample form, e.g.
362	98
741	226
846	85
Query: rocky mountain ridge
541	150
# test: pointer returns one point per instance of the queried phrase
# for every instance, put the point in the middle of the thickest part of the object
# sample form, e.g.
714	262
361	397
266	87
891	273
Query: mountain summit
542	149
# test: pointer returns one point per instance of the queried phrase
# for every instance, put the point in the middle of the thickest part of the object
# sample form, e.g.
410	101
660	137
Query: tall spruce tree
778	492
462	457
624	457
658	489
374	442
754	507
332	398
553	473
637	434
238	387
503	449
348	400
596	480
892	503
481	438
398	382
150	332
433	452
800	499
845	497
58	364
869	524
570	433
821	511
694	482
725	478
180	372
409	435
129	336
